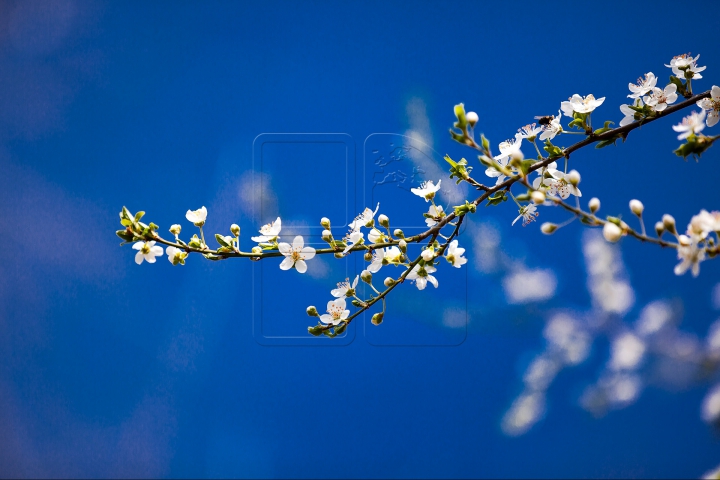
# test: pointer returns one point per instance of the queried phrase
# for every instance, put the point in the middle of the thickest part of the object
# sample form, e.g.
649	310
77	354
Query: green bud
175	229
338	255
384	221
402	245
377	319
312	311
399	233
235	229
669	223
325	222
389	282
366	277
368	256
548	228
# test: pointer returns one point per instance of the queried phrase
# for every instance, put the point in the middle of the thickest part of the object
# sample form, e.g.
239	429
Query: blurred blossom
254	188
616	390
627	352
712	474
713	341
525	286
716	297
455	317
711	405
486	239
568	338
653	318
607	281
541	372
525	411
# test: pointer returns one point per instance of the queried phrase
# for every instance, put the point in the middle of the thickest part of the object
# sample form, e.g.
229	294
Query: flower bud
377	318
637	207
368	256
594	204
612	232
573	177
389	282
402	245
516	158
175	229
312	311
366	277
472	118
235	229
325	222
537	197
399	233
326	235
659	228
256	250
669	223
684	240
548	228
384	220
428	254
339	255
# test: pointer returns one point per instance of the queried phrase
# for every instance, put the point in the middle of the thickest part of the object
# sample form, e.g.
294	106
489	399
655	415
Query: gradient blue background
112	370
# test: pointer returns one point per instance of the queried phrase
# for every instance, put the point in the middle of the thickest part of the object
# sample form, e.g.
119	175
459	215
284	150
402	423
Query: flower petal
301	266
286	264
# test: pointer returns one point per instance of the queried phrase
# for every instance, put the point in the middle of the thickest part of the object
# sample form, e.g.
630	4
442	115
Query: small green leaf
222	241
139	215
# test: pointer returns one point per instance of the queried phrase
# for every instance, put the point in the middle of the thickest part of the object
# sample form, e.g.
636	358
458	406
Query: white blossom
375	236
685	63
508	148
455	255
558	184
421	275
269	232
495	173
427	190
579	104
711	105
364	218
175	255
692	124
644	85
295	255
703	223
629	114
352	239
436	213
147	251
530	131
528	214
661	98
691	256
345	289
336	312
428	254
197	217
551	129
384	256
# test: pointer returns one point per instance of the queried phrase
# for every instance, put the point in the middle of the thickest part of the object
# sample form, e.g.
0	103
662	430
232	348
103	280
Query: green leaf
128	237
126	222
139	215
552	150
315	331
340	329
222	241
604	129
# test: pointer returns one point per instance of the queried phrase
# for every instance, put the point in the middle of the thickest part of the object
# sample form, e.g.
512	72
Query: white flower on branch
427	190
437	213
269	232
147	251
711	105
692	124
384	256
551	129
455	255
644	85
175	255
353	239
295	255
579	104
336	312
691	255
421	275
495	173
345	289
702	224
197	217
530	131
508	148
629	112
659	99
561	185
376	236
364	218
528	214
685	63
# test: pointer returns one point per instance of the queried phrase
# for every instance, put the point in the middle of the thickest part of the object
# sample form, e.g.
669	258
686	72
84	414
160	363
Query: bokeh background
574	359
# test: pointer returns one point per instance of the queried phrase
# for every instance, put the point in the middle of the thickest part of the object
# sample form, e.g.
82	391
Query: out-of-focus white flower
711	105
175	255
146	251
530	131
455	255
579	104
269	232
711	405
363	219
627	352
692	124
703	223
336	312
552	128
644	85
525	411
659	99
427	190
526	285
712	474
654	317
690	255
422	275
353	238
345	289
528	214
685	63
197	217
296	255
436	213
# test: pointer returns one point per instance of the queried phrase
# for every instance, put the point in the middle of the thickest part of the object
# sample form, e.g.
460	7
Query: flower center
145	249
296	255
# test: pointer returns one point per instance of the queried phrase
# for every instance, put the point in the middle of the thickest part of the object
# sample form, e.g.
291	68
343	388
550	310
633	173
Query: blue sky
109	369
